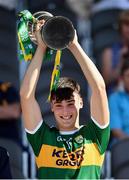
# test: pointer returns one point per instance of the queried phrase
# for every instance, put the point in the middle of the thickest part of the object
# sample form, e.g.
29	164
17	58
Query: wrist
73	46
42	47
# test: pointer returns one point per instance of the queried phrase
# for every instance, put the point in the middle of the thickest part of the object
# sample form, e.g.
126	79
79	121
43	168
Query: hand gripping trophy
57	32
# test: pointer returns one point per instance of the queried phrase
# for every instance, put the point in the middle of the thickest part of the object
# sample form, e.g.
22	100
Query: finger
42	21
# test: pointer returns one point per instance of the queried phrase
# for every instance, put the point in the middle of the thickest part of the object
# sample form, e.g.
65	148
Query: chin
68	129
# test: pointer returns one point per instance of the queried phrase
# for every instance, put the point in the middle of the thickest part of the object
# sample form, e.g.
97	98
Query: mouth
66	117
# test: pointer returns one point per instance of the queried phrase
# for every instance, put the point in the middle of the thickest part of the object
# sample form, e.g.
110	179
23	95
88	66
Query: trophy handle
40	15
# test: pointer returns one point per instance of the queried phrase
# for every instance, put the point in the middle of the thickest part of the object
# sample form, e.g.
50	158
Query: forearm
32	74
98	103
90	71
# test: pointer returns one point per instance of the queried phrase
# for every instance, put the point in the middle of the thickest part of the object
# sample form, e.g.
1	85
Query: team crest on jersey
79	139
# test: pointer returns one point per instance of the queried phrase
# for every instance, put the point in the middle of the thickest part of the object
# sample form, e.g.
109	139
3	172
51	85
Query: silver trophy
57	31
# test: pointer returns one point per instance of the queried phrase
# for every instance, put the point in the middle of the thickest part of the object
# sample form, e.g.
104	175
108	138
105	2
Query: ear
81	103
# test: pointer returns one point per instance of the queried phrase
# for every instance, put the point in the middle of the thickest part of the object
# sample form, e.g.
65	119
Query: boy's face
66	112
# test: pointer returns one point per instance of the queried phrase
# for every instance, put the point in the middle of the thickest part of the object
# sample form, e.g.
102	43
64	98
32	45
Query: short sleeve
100	136
37	139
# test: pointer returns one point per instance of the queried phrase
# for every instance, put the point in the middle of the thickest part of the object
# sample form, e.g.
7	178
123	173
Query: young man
68	151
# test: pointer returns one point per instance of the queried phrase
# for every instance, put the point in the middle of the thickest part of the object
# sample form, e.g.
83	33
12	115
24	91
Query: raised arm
30	108
98	102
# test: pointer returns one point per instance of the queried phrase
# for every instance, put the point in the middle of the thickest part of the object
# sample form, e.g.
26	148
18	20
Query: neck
68	132
68	128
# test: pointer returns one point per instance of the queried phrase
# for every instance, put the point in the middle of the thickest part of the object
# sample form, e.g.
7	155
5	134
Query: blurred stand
10	127
5	171
114	56
10	124
120	159
104	25
9	72
9	65
9	4
104	28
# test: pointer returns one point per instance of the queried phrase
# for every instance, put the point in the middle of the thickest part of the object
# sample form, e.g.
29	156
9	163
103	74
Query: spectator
9	112
5	172
119	106
112	57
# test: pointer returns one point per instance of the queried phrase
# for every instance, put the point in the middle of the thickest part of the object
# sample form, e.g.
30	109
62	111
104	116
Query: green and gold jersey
76	156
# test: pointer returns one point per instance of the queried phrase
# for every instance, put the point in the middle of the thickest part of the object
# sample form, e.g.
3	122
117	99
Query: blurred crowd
103	31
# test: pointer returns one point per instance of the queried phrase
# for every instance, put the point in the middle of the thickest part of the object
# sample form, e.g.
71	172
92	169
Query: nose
65	111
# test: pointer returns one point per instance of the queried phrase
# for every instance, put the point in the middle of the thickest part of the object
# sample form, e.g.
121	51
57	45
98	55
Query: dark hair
123	19
65	88
125	66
